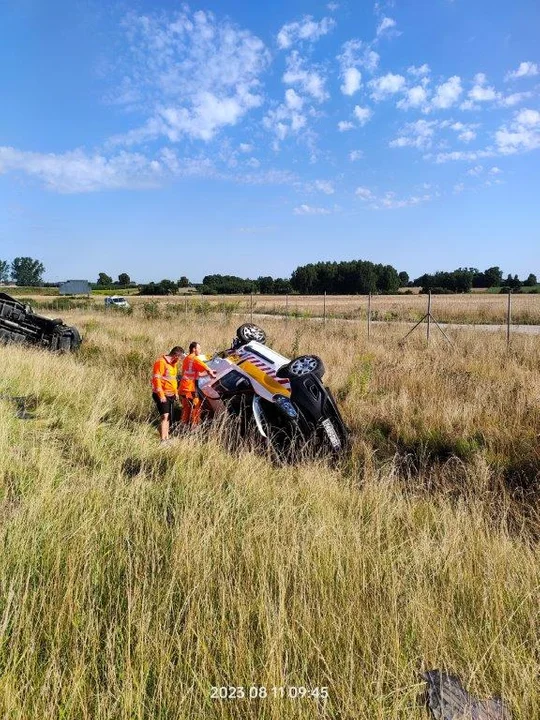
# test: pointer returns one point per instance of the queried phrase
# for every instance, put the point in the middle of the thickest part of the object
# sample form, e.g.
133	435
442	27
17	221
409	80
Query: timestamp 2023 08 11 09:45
262	692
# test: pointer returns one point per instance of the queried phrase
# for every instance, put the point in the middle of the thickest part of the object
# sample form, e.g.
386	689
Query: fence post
428	316
369	316
324	309
508	317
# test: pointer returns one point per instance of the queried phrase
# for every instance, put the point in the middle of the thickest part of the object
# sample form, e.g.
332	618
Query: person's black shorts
164	407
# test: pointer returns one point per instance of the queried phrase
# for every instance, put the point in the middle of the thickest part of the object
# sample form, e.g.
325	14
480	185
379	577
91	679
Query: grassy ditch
135	578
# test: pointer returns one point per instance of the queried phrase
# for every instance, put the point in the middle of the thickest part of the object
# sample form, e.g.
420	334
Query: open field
133	578
468	308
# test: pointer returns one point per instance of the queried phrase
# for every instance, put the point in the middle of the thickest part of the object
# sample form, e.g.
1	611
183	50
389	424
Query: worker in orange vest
192	368
165	388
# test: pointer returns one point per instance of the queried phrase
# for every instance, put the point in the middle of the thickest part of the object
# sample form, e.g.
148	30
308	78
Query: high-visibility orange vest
164	377
192	369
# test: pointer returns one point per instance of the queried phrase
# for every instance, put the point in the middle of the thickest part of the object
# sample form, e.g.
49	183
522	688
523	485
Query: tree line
463	280
352	277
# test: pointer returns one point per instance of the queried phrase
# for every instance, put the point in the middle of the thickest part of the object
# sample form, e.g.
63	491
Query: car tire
304	365
247	332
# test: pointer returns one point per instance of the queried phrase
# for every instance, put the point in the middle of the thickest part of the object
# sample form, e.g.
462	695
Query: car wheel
306	365
248	332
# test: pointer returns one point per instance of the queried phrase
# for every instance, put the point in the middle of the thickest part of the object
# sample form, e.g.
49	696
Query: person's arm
157	376
203	367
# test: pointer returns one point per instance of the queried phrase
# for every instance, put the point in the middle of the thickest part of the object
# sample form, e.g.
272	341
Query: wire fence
508	312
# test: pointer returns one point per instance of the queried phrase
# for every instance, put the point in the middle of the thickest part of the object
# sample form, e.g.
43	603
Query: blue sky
165	139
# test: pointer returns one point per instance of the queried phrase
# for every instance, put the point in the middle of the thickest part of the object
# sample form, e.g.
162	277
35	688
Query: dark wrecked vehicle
282	402
20	324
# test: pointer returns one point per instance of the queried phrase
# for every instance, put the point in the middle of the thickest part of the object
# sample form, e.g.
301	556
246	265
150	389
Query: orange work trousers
191	409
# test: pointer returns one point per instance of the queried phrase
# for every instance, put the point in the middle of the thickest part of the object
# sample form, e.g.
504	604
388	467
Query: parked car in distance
116	301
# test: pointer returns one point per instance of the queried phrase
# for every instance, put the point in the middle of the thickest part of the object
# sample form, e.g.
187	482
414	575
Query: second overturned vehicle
20	324
283	402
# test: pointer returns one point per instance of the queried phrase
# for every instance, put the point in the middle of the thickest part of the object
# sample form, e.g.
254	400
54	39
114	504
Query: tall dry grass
133	578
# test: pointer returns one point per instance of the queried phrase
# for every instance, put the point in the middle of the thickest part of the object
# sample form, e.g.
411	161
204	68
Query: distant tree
282	287
183	282
164	287
403	278
387	279
512	282
531	281
228	285
27	271
459	280
265	285
493	276
104	280
4	271
304	279
124	279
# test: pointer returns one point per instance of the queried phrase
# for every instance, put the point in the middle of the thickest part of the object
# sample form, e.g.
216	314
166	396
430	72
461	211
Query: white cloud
287	118
481	92
356	53
448	93
389	200
352	80
495	171
421	71
530	118
324	186
467	136
345	125
415	97
333	6
310	210
309	80
514	99
386	85
293	100
525	69
385	25
364	193
363	115
418	134
245	147
192	74
522	135
80	172
475	171
470	155
306	29
466	133
355	155
459	188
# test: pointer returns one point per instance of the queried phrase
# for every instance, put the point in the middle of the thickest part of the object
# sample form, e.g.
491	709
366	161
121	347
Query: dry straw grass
134	578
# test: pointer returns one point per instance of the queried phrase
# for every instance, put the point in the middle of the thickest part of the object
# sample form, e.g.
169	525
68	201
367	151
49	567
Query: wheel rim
304	365
252	332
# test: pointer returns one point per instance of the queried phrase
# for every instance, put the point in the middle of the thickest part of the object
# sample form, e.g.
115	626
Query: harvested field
475	308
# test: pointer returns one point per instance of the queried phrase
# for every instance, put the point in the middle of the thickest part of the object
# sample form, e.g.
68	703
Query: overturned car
19	324
283	402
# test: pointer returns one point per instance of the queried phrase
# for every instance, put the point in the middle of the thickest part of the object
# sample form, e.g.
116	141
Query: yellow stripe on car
273	386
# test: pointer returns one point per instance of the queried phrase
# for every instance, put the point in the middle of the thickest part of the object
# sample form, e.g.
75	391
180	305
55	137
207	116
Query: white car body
116	301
